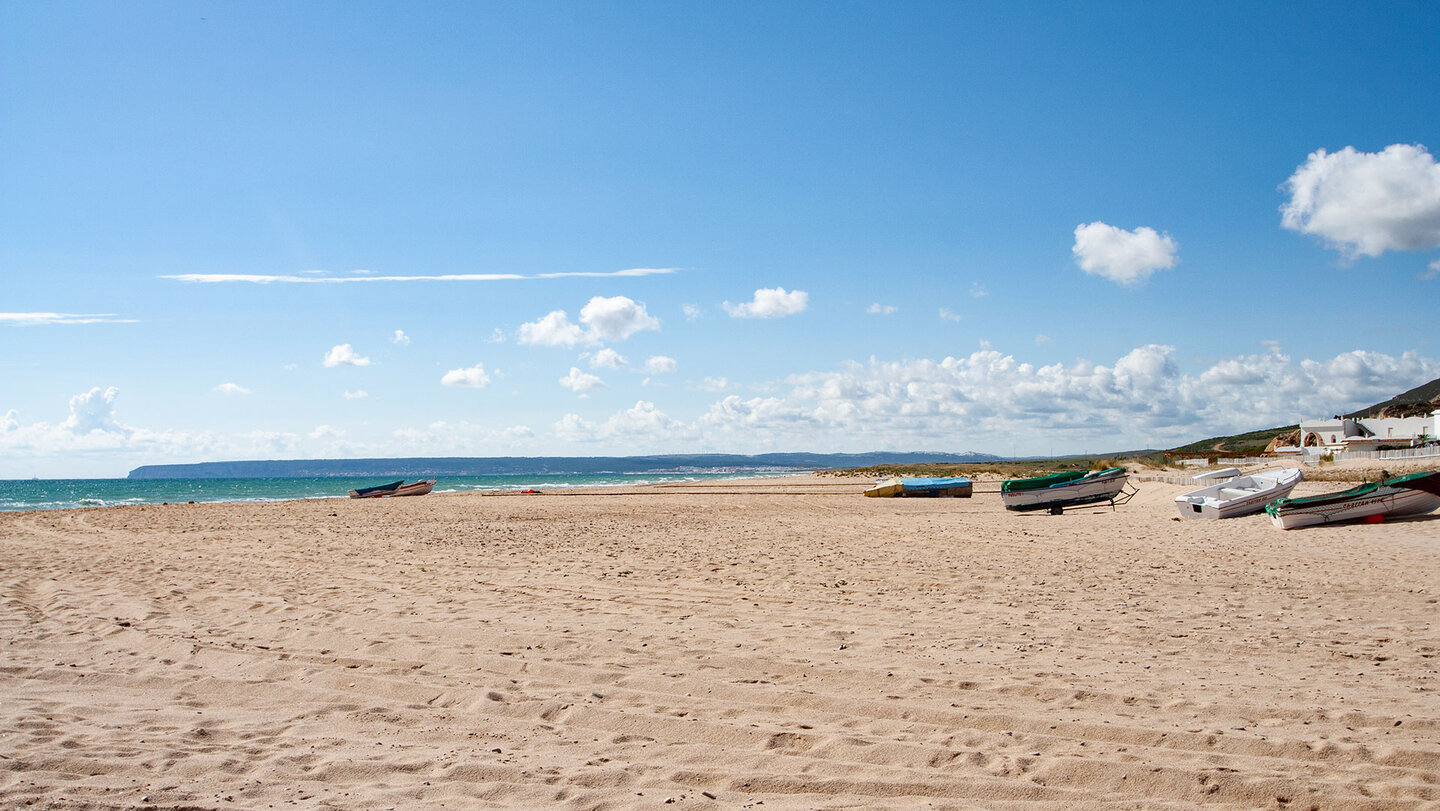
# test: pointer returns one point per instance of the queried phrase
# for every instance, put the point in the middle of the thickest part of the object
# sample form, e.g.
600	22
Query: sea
65	494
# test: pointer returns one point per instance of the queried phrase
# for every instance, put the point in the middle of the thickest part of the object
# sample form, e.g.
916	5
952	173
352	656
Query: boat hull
1401	497
395	489
887	488
1240	496
1075	493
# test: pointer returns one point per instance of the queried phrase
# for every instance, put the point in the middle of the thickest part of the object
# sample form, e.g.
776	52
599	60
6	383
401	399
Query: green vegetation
1248	444
1020	469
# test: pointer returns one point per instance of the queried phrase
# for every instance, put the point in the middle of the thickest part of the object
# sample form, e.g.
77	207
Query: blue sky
294	230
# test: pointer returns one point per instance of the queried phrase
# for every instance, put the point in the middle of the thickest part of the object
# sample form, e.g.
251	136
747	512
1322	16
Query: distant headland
531	465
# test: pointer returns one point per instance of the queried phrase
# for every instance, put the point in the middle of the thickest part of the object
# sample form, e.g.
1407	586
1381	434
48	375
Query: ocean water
63	494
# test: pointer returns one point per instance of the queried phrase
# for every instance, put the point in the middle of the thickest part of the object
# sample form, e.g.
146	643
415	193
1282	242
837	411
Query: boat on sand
1399	497
394	489
1071	488
952	487
1239	495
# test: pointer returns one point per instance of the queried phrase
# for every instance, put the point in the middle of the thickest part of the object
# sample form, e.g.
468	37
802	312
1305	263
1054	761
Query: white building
1369	433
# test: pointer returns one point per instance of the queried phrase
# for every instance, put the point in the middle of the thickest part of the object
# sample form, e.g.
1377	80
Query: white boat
1073	488
1240	495
1217	475
1400	497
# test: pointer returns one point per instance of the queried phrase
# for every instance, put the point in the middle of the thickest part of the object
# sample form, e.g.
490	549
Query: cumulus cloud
555	329
344	355
946	314
1432	271
881	309
606	358
1366	203
713	384
581	382
400	338
604	319
93	411
36	319
770	302
692	312
640	426
1125	257
471	378
358	394
616	318
660	365
231	388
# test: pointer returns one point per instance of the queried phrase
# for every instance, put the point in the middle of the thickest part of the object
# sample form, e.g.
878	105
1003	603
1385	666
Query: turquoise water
63	494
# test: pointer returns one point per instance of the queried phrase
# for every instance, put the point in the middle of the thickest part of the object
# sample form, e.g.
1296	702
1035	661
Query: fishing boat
392	489
1238	495
1071	488
1400	497
895	487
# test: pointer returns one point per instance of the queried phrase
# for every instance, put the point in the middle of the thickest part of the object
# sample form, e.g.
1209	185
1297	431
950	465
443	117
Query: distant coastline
537	465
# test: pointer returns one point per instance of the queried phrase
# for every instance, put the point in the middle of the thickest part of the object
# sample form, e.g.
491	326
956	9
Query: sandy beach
775	644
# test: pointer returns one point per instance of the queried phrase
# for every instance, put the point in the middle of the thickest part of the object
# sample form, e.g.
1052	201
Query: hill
522	465
1416	400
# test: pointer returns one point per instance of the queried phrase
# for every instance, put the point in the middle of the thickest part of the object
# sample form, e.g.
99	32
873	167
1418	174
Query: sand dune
783	644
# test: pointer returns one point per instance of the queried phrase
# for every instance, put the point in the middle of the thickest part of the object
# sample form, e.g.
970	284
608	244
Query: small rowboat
392	489
1400	497
1071	488
1240	495
886	488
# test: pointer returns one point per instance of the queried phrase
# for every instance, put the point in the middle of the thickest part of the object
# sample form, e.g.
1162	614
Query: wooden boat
392	489
952	487
886	488
1400	497
1071	488
378	491
1240	495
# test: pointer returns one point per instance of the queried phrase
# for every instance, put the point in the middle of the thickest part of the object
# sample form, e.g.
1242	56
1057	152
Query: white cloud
519	432
344	355
1432	271
946	314
497	336
774	302
581	382
977	290
366	276
660	365
1364	203
358	394
471	378
554	329
400	338
93	411
692	312
606	358
713	384
881	309
325	432
574	428
1126	257
604	319
616	318
37	319
231	388
1042	339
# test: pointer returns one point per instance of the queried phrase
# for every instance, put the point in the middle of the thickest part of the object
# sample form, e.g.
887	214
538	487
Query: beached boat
399	488
1071	488
886	488
953	487
1239	495
1400	497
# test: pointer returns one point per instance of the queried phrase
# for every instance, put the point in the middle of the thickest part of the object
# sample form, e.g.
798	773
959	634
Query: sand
782	644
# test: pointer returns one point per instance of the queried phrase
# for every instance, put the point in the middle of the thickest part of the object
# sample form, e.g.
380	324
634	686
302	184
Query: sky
286	230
